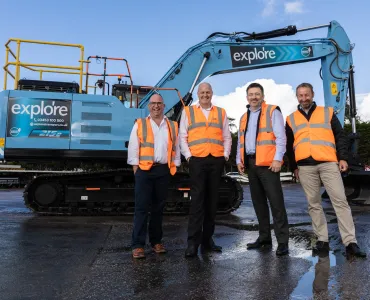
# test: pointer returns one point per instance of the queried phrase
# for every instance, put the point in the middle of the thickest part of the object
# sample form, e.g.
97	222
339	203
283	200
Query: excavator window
123	93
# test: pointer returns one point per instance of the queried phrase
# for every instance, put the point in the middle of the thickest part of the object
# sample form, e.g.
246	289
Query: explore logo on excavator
42	109
242	56
32	117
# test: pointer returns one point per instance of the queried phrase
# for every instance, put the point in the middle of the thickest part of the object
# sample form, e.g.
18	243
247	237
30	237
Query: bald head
155	98
205	84
156	106
205	94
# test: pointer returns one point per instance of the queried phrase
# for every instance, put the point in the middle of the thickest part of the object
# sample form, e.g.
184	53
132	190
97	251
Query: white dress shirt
160	144
250	137
183	133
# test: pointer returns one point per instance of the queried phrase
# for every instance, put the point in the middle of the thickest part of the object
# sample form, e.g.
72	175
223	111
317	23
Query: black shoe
353	250
323	254
259	244
320	247
191	251
282	249
210	246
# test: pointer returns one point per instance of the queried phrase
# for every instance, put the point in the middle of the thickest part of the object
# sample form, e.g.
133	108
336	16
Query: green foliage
363	129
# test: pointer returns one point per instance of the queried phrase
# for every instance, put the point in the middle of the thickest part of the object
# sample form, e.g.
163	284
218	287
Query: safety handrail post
81	66
131	81
87	75
5	70
17	70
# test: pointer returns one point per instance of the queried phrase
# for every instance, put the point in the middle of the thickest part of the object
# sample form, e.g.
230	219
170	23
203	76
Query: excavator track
112	193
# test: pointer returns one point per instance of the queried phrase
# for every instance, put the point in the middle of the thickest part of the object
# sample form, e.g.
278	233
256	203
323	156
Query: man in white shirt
205	141
154	154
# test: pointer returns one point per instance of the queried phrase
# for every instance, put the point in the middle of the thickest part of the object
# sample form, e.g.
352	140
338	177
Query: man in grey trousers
261	147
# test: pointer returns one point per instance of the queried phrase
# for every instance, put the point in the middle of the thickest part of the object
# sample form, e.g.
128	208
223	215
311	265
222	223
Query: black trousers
205	177
150	196
265	184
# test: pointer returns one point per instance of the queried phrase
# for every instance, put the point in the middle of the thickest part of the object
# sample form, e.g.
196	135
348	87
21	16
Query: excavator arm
225	53
240	51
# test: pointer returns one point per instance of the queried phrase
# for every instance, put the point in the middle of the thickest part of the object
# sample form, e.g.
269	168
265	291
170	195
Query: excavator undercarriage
112	193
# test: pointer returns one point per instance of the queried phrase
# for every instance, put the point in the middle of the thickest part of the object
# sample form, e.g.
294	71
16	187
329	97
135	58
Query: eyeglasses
156	103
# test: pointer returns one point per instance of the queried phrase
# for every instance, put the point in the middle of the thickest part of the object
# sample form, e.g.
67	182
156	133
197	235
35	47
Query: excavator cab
129	93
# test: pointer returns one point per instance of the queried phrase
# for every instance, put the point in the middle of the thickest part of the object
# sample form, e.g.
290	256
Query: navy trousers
150	197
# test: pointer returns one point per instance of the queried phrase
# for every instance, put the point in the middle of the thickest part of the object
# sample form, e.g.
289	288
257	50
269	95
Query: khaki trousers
330	176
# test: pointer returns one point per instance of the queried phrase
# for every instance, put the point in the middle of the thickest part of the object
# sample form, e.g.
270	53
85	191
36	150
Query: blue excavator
55	121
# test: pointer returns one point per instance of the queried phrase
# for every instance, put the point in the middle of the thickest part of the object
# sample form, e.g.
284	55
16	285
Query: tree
363	129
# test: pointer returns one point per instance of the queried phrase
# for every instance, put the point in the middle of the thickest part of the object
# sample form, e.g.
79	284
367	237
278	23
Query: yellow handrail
18	64
42	65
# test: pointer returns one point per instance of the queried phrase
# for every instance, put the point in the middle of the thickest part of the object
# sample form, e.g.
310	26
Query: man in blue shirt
261	147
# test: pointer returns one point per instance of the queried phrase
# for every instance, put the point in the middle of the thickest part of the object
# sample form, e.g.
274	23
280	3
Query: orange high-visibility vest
146	144
266	140
315	137
205	136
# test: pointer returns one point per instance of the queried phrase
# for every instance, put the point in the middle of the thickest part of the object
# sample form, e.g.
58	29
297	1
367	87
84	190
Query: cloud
282	95
293	7
235	102
269	8
363	106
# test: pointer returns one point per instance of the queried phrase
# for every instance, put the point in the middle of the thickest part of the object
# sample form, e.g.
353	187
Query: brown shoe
159	248
138	253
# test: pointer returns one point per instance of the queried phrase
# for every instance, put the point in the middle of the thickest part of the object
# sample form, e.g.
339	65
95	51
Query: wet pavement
89	258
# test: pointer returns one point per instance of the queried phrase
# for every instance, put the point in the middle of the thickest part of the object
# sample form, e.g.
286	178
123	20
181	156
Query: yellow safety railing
38	67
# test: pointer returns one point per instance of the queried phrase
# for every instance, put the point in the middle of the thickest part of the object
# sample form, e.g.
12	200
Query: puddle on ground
15	210
316	281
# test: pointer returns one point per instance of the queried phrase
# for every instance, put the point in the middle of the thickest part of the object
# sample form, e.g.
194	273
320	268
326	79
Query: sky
152	35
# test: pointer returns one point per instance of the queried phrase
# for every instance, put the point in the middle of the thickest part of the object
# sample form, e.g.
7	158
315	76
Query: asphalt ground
90	258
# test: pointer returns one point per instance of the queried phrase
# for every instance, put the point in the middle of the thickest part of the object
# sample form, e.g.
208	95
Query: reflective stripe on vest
194	124
325	125
145	144
173	133
202	141
268	127
319	144
266	142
